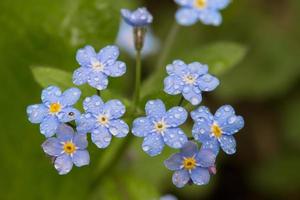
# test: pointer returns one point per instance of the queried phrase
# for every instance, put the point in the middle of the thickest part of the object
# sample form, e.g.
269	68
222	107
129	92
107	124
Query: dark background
263	87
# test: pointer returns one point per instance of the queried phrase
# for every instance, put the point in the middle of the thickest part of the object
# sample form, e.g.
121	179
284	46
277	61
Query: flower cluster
65	127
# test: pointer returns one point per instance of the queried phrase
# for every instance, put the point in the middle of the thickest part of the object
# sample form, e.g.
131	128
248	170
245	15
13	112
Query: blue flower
126	42
138	18
190	80
160	127
67	148
96	67
191	165
102	120
55	109
216	131
206	11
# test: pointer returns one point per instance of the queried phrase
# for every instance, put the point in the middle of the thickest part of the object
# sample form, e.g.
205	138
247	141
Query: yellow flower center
69	147
97	66
55	108
216	130
160	126
200	4
189	79
102	119
189	163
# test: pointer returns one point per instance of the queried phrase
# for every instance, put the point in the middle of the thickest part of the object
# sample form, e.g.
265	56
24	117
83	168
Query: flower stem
138	72
171	36
98	93
181	101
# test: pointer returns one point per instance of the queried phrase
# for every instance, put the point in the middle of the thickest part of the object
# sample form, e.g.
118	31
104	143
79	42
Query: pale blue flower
96	67
189	80
215	131
191	165
207	11
160	127
125	41
67	148
55	109
102	120
138	18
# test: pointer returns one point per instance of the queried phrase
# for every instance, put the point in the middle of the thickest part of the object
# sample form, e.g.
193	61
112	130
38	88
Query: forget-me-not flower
96	67
191	165
160	127
102	120
67	148
125	40
190	80
55	109
138	18
216	131
207	11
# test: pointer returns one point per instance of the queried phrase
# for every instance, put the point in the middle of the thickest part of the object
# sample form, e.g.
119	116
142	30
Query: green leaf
46	76
220	57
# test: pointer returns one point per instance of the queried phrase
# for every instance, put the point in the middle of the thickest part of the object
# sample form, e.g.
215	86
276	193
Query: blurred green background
255	54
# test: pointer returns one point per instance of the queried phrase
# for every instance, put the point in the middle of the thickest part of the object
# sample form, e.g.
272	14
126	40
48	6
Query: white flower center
98	66
160	126
189	79
103	119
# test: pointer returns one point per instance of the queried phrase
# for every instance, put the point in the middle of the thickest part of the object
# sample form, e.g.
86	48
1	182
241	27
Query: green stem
138	72
181	101
98	92
171	36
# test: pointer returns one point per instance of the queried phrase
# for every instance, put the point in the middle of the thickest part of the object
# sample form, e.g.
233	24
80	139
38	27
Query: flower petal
49	126
155	108
218	4
207	82
36	113
116	69
98	80
197	68
234	124
81	158
52	147
178	67
210	17
202	131
63	164
153	144
202	113
184	2
80	141
84	56
189	149
200	176
206	158
64	132
228	144
175	137
212	145
101	137
192	94
70	96
85	123
176	116
93	104
174	162
68	114
223	113
51	95
108	55
114	109
173	85
186	16
81	75
180	178
141	127
118	128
